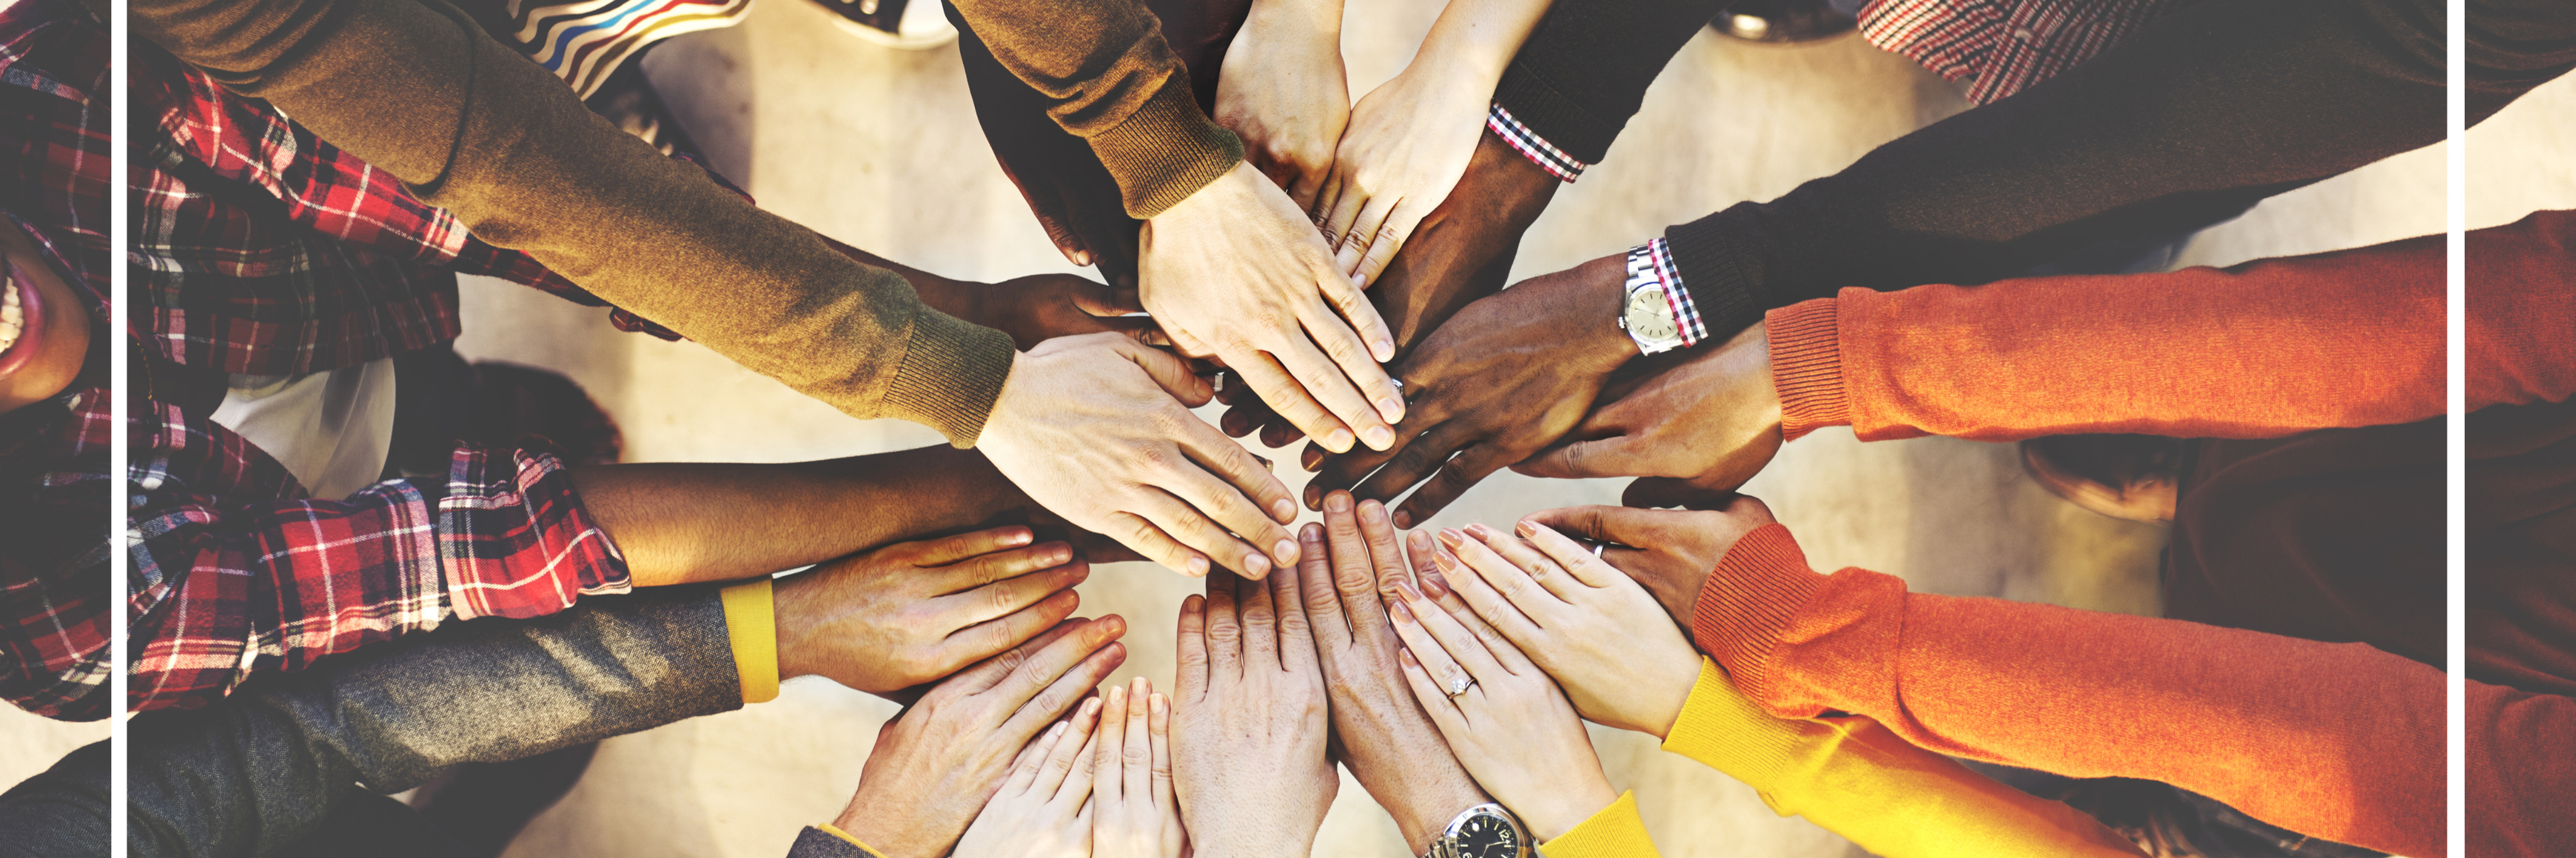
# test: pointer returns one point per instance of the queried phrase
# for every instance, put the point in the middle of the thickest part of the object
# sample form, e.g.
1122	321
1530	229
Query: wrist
1601	295
1425	810
1308	21
1557	812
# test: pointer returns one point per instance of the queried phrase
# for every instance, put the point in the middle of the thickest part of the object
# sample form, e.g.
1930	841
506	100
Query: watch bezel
1446	845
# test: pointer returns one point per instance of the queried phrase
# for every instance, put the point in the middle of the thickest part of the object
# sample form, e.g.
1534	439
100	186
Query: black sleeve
1584	69
2202	113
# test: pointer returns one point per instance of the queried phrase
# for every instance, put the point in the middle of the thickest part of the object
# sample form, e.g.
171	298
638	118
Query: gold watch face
1650	317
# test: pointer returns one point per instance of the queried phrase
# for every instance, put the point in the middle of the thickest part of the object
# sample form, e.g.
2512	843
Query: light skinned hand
1248	722
1282	89
1043	809
1382	735
1673	551
1605	640
912	612
1506	720
936	765
1713	421
1237	272
1097	429
1135	814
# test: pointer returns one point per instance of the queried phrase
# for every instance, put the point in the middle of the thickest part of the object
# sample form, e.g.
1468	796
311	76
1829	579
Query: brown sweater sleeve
1110	79
2261	350
2339	741
417	90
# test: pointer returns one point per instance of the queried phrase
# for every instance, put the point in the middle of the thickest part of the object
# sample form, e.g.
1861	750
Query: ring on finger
1460	685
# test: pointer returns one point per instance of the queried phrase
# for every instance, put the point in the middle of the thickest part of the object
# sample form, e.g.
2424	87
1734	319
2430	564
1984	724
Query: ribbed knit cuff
1614	831
952	372
1722	728
1747	603
751	625
1723	278
1167	150
1807	366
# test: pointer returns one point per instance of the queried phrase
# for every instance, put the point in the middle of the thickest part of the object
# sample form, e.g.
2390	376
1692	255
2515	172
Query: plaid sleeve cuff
1527	142
513	538
1807	366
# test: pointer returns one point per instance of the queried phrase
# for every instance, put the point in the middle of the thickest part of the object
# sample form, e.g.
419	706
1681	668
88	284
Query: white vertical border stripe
119	206
2455	512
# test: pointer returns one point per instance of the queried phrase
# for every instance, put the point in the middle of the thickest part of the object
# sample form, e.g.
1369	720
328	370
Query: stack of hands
1444	671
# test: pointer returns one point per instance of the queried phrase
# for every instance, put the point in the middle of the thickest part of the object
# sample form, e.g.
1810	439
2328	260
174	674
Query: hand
1136	814
1384	737
1713	422
1041	307
1095	428
1674	550
1503	717
1505	378
913	612
935	766
1600	635
1074	198
1042	810
1248	722
1282	89
1408	143
1237	272
1460	252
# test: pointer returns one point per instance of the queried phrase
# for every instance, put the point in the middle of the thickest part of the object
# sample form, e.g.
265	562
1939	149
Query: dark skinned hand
1460	252
1672	552
1505	378
1711	422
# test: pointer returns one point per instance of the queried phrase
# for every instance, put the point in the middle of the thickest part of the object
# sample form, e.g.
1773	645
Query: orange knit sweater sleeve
2264	349
2338	741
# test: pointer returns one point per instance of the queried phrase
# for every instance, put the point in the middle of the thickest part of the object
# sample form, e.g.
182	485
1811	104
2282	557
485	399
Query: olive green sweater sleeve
418	91
1110	79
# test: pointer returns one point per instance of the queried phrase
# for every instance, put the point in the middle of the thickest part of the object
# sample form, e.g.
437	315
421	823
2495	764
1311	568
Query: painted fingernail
1406	653
1337	502
1283	509
1526	528
1405	589
1339	441
1450	536
1444	560
1482	532
1434	588
1399	612
1286	551
1198	567
1380	437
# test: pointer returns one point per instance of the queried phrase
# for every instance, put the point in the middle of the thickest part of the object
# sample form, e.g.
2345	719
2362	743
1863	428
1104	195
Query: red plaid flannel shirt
2006	46
259	250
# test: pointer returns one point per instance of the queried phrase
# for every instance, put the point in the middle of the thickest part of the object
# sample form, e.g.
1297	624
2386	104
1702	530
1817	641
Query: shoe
898	24
588	41
628	101
2134	477
1783	21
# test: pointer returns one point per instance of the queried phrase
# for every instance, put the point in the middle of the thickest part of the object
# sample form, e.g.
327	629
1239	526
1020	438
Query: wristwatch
1483	831
1647	311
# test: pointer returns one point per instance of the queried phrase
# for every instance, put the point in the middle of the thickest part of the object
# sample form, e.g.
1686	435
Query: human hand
935	766
1237	272
1673	551
1282	89
1074	198
1041	307
1095	428
1043	809
912	612
1506	377
1408	143
1712	421
1135	813
1385	738
1503	717
1601	635
1249	721
1460	252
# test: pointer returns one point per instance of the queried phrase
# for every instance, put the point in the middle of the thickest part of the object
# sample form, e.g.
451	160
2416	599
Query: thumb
1598	523
1169	371
1102	299
1614	456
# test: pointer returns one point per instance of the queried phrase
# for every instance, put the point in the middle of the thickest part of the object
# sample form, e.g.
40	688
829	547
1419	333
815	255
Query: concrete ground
878	147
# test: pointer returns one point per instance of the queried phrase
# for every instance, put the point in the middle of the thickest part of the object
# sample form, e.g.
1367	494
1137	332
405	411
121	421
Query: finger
1364	229
984	639
1148	539
1190	650
1576	559
1329	362
1069	738
1296	641
1453	637
1192	528
952	549
1484	600
1390	239
1431	693
1260	624
1108	777
1411	626
1105	301
1612	456
1032	759
1421	556
1350	299
1460	473
1278	432
1348	199
1323	605
1166	803
1261	503
1420	458
1026	689
1000	666
1603	523
1137	765
974	573
1046	200
1224	631
1292	402
1069	688
1537	570
1444	593
1168	371
1360	584
1081	777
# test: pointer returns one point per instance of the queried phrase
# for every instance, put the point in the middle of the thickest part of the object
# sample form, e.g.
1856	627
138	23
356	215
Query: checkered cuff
1653	261
514	539
1532	146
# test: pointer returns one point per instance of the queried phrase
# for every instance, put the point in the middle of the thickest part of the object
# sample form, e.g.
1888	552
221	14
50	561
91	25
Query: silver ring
1596	549
1459	686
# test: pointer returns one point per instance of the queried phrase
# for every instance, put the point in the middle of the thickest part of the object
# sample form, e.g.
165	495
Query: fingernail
1391	408
1385	350
1450	536
1380	437
1089	706
1405	588
1337	502
1156	702
1198	567
1339	441
1058	557
1312	458
1399	612
1311	533
1314	496
1283	509
1403	520
1017	537
1372	512
1482	532
1057	730
1286	551
1445	561
1406	653
1434	587
1255	565
1525	528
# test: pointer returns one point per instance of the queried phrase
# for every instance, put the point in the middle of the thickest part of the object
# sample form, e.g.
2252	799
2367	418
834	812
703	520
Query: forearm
62	811
1474	40
1584	69
472	127
2520	777
680	523
2330	740
258	771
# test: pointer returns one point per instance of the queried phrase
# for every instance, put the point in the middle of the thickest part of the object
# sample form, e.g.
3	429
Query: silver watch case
1467	824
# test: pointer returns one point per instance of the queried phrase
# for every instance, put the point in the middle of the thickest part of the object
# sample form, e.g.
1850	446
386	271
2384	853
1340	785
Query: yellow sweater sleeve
1615	831
751	621
1857	779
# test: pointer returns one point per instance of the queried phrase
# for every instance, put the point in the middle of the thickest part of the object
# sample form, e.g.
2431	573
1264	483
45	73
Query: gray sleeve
817	843
259	770
61	813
